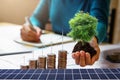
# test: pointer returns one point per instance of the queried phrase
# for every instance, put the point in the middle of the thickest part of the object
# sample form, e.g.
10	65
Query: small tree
83	28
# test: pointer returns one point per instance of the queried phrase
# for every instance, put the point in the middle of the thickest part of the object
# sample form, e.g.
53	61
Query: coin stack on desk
62	59
51	60
41	62
24	66
32	64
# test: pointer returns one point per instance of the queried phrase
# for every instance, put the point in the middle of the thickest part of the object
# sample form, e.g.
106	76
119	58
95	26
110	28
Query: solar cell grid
35	76
76	71
102	76
10	71
18	76
85	76
60	71
38	70
111	76
91	70
53	71
94	76
11	76
27	76
83	71
3	71
51	76
43	76
115	71
61	74
99	71
17	71
106	70
118	75
68	71
77	76
68	76
31	71
23	71
119	69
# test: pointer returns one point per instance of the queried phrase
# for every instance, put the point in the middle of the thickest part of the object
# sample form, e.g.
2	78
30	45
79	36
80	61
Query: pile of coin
62	59
42	62
51	61
32	64
24	67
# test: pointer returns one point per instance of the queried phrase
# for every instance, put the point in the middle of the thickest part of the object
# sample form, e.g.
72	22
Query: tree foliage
83	27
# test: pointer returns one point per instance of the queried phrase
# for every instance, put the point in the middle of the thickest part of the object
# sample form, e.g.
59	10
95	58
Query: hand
27	34
83	58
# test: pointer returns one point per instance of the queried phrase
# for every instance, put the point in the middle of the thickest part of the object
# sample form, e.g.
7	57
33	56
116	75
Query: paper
9	47
47	40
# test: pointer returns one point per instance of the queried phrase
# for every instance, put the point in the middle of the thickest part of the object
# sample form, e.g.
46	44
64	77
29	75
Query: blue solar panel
60	74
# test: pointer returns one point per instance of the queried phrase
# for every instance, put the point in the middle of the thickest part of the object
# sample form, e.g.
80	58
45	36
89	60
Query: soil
86	47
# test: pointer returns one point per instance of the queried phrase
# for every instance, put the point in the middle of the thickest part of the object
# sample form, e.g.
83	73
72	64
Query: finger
93	59
32	35
82	58
88	59
96	56
73	55
77	58
29	31
98	52
23	34
35	34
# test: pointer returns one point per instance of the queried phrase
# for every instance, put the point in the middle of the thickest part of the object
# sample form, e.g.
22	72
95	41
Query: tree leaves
83	27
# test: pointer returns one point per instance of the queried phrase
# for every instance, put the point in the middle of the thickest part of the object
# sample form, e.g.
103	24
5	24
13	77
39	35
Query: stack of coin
51	60
42	62
32	64
24	67
62	59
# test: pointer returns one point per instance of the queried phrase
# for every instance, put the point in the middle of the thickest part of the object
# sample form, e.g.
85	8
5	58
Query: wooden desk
14	61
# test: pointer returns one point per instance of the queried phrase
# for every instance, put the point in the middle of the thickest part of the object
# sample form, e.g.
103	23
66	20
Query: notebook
47	40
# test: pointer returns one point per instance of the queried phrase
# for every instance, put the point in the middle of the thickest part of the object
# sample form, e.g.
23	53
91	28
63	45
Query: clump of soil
86	47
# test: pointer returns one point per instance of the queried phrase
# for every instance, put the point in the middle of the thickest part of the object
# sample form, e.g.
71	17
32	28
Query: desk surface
14	61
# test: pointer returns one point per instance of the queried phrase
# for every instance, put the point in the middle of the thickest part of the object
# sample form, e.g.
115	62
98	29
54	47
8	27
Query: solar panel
61	74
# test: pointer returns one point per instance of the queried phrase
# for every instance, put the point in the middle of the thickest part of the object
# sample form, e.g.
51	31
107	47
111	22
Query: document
48	39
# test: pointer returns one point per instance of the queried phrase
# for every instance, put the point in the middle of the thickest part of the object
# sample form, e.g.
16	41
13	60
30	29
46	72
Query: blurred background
14	11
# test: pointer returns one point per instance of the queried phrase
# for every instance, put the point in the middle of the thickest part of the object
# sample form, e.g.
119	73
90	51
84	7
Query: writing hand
28	34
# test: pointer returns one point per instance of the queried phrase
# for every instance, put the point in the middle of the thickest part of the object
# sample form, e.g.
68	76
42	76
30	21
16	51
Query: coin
62	59
32	64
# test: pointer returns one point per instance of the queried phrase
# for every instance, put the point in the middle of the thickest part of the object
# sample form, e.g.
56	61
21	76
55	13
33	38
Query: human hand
83	58
27	34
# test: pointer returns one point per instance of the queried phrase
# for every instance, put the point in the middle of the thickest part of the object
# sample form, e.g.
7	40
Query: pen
28	22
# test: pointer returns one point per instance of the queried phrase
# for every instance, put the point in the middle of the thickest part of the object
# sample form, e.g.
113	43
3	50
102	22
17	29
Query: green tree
83	27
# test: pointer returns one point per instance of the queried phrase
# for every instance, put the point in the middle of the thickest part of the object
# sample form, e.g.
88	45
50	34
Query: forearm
100	9
41	14
35	21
